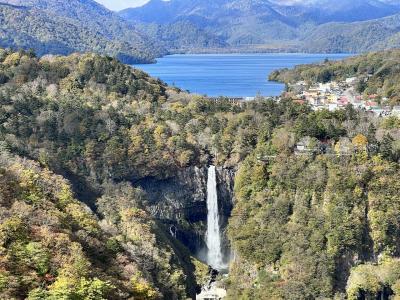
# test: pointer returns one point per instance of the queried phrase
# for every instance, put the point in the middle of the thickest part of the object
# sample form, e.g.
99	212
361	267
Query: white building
333	106
351	80
324	88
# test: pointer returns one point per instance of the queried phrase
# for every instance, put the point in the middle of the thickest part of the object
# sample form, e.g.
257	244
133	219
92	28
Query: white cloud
121	4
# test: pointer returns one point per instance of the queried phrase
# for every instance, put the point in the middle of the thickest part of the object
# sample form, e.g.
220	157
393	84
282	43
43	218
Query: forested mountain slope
320	223
313	225
104	126
321	11
53	247
317	203
371	35
62	27
248	25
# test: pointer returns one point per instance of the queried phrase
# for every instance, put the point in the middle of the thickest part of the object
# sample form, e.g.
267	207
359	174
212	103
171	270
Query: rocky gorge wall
180	203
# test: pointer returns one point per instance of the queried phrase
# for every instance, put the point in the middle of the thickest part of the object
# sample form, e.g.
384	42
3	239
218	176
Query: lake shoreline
199	53
229	75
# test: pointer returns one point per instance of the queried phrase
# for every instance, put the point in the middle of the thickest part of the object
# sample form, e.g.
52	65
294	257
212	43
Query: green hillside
52	245
60	27
317	225
355	37
78	132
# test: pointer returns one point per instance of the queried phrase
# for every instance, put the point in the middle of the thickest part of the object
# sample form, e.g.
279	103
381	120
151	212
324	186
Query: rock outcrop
180	203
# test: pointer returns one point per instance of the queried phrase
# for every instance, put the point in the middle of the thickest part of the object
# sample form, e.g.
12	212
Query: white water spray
214	255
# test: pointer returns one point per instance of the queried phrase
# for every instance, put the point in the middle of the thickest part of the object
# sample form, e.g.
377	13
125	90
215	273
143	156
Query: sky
121	4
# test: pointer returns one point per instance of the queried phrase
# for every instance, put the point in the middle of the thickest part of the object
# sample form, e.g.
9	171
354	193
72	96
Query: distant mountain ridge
62	27
270	25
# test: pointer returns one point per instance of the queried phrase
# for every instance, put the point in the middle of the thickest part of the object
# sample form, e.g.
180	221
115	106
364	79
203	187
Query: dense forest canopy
54	247
316	221
318	225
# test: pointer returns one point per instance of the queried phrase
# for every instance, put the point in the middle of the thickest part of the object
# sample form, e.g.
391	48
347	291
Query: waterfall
214	254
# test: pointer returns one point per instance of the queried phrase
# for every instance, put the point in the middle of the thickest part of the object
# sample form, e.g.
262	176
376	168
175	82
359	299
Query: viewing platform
213	294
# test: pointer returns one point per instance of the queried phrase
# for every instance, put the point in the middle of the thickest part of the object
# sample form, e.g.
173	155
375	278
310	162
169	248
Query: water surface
241	75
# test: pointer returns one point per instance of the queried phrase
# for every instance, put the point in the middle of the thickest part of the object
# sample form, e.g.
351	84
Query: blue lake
241	75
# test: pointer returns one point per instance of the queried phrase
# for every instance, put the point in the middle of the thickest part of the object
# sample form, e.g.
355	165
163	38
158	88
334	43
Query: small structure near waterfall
214	293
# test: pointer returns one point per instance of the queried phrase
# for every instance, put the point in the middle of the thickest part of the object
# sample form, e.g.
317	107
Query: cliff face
180	202
226	199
